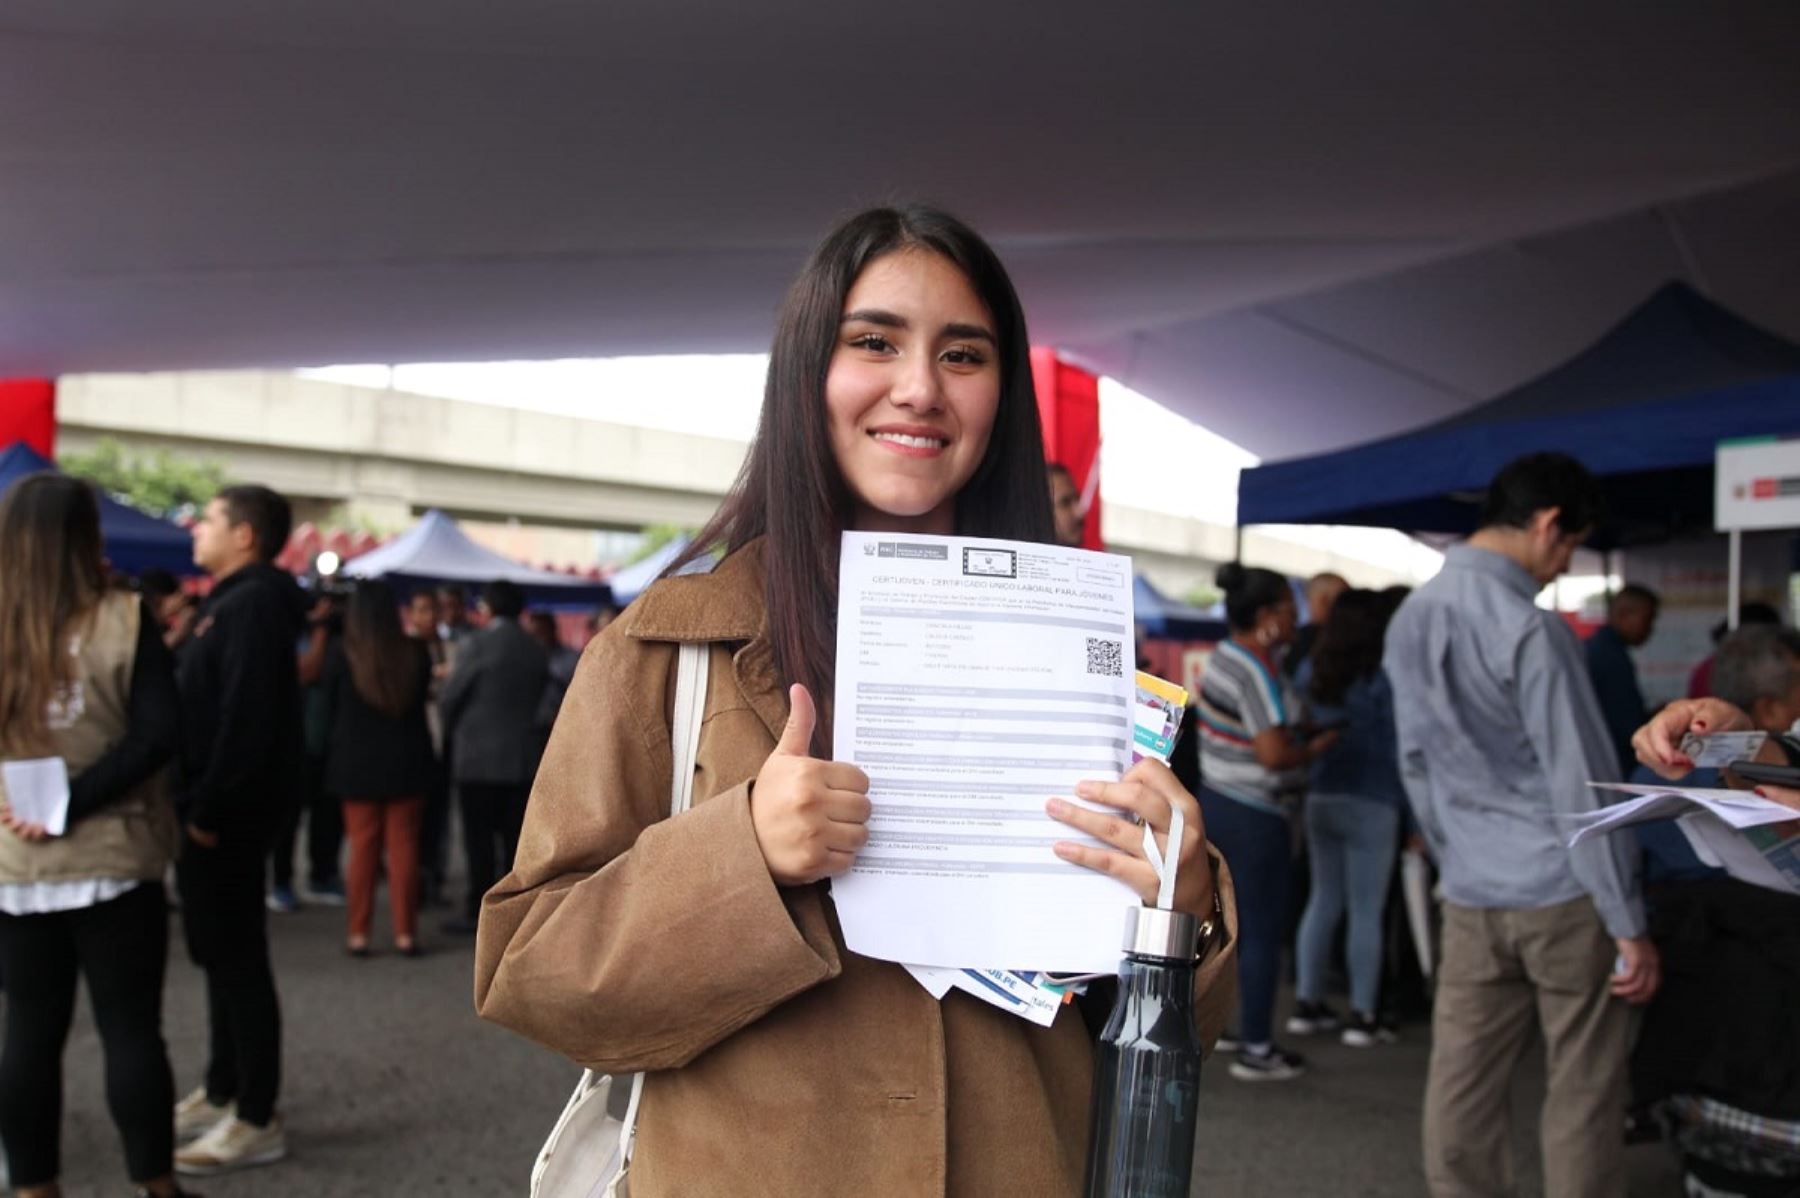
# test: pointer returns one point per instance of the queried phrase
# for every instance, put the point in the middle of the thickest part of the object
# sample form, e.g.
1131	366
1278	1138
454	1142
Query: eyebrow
893	320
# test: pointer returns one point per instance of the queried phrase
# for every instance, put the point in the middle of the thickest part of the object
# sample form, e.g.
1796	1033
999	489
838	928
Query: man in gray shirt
1499	735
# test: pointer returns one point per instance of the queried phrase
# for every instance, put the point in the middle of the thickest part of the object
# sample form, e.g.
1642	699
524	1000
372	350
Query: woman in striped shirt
1254	753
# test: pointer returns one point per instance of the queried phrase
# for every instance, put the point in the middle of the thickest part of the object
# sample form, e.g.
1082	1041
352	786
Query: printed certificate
975	680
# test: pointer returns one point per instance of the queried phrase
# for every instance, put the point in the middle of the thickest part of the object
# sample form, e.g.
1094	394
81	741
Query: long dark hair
791	489
384	661
51	579
1350	644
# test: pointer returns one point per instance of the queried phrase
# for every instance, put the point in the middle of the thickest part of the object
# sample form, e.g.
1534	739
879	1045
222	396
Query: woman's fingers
1103	826
1786	796
1135	872
1658	743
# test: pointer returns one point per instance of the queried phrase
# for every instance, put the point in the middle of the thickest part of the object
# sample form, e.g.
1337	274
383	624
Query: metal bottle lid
1155	932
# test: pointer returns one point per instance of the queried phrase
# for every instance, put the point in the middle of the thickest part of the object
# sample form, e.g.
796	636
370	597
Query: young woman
84	677
379	760
1353	814
704	948
1253	759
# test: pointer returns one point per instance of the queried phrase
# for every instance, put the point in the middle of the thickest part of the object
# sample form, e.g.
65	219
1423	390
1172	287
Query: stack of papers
1750	837
977	679
37	790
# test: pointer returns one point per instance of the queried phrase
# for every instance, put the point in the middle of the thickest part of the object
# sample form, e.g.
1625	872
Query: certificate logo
913	550
990	563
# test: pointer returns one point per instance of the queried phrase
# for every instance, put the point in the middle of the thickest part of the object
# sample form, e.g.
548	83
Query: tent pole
1734	592
1237	546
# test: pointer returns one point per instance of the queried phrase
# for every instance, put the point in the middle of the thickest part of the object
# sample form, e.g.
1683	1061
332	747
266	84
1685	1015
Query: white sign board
1758	486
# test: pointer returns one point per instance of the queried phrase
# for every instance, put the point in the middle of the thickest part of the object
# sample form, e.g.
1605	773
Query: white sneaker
196	1115
233	1144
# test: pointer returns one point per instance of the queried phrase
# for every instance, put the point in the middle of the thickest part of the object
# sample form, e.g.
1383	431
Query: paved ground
396	1090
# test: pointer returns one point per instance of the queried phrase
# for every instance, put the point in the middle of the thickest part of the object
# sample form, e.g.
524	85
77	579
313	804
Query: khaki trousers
1500	968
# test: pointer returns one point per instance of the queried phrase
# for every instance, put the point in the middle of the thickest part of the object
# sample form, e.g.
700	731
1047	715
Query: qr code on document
1105	658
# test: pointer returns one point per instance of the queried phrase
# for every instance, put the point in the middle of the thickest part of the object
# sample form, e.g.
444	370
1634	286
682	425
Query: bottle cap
1157	932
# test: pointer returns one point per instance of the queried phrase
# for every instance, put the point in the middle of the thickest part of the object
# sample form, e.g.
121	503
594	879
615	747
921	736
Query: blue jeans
1259	849
1352	843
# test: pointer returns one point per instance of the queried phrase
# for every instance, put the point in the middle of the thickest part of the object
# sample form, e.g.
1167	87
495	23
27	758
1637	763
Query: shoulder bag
588	1154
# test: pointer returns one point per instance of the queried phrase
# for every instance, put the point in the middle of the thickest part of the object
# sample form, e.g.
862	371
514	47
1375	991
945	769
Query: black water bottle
1147	1072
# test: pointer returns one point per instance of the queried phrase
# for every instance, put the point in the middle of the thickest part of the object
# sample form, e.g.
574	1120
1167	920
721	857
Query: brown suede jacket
781	1063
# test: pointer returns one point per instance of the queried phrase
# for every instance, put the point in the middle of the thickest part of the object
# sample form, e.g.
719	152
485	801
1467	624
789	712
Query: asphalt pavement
394	1089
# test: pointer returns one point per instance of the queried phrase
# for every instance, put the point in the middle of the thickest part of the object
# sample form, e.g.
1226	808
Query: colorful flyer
1159	707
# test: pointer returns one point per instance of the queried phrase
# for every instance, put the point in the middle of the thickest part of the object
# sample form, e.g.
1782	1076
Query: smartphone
1764	774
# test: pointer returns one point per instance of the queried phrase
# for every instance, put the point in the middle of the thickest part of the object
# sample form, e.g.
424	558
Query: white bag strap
690	709
684	741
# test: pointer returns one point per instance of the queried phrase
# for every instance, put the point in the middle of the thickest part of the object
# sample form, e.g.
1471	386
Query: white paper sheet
1415	887
1751	838
38	791
975	680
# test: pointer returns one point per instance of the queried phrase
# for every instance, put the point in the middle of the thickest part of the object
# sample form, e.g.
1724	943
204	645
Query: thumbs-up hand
811	817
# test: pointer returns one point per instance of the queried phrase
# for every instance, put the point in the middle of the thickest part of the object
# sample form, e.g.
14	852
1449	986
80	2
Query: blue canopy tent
134	541
436	550
1643	408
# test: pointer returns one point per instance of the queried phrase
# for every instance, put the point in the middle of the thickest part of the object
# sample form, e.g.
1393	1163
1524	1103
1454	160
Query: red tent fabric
28	414
1069	407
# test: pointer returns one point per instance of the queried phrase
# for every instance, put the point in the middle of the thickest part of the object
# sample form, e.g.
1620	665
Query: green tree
157	482
655	537
1202	595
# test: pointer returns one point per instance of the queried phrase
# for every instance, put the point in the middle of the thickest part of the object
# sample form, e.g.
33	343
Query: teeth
915	442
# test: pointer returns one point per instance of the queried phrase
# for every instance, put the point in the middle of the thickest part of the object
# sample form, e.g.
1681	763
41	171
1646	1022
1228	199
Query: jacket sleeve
152	728
257	661
1568	733
623	939
460	685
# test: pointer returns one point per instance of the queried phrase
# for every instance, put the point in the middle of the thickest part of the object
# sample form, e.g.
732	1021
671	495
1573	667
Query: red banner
1069	407
28	414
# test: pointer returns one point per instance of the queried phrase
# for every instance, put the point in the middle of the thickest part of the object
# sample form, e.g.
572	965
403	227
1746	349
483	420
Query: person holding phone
1254	754
704	948
1353	814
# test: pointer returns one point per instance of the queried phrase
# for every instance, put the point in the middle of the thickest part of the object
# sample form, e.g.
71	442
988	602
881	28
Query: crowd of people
198	734
1464	723
1459	723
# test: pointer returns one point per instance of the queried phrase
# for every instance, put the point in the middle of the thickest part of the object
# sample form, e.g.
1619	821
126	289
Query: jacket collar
724	605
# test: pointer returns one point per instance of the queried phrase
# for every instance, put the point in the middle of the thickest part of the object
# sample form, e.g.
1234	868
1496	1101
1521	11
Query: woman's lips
910	444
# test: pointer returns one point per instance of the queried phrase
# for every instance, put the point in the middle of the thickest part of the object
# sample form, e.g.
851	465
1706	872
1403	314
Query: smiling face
911	392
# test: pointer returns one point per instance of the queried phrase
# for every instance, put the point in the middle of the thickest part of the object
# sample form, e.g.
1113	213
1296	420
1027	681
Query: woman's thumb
796	737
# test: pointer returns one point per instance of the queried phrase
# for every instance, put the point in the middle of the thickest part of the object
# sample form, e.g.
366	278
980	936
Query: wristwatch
1212	933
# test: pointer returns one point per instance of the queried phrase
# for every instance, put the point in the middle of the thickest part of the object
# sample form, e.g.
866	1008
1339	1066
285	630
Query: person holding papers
705	949
1725	1086
88	720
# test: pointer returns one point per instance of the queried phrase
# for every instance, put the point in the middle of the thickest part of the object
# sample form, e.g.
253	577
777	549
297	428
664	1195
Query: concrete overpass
529	483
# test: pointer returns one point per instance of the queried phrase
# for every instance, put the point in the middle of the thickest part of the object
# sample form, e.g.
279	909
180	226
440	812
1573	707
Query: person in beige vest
84	678
705	948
